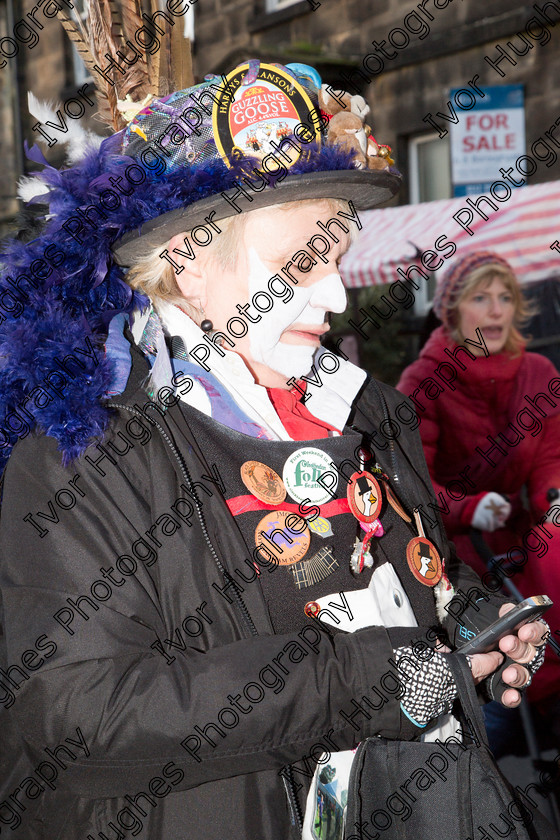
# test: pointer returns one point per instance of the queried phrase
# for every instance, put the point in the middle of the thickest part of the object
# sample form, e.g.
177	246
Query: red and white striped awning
521	230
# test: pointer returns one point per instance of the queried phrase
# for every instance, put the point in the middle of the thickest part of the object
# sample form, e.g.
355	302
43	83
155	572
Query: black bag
444	790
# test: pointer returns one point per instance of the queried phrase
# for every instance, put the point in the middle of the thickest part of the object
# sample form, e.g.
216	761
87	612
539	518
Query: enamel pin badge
364	496
423	557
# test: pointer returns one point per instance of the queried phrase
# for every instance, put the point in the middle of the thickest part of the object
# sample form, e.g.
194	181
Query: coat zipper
391	442
189	483
288	780
354	781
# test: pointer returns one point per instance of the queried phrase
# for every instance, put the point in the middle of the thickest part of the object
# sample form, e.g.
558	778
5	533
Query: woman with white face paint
279	343
216	518
265	308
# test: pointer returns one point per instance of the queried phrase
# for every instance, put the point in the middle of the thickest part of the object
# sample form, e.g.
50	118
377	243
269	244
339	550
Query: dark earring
206	324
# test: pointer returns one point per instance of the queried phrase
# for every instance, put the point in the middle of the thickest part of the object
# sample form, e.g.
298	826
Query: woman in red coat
490	424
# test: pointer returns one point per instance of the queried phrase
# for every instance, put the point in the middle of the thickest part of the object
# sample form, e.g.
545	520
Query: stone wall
335	37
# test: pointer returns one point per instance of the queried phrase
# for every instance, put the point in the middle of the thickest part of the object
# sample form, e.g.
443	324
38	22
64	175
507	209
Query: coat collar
331	386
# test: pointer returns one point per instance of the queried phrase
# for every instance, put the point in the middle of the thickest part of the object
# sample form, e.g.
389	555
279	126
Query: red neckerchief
295	416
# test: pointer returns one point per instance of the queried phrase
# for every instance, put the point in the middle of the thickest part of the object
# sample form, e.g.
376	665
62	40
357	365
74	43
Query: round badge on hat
263	482
256	110
424	561
364	496
305	479
396	505
283	535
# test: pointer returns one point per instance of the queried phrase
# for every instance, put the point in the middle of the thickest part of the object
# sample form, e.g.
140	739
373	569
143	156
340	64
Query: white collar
229	369
331	393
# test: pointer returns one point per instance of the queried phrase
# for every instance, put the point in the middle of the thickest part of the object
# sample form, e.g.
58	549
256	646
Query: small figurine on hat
347	128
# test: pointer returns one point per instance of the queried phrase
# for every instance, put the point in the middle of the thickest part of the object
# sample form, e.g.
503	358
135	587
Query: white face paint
308	307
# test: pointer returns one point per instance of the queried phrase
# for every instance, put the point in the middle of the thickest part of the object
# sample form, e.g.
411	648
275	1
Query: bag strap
467	695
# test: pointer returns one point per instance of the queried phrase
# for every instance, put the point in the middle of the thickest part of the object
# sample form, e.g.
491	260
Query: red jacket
488	395
491	395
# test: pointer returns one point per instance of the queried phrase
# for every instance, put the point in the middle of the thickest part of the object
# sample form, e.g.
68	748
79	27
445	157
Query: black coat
97	674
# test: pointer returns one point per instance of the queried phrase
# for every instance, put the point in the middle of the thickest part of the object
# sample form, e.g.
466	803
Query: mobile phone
524	612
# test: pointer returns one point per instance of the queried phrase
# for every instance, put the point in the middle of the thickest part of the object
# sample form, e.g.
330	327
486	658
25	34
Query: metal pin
418	521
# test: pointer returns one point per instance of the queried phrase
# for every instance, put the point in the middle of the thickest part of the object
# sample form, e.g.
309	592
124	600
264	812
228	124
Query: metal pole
16	104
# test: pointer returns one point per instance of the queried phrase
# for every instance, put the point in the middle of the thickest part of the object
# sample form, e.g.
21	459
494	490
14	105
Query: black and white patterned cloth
429	688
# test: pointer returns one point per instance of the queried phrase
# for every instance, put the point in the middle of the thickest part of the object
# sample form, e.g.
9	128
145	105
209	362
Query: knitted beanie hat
451	286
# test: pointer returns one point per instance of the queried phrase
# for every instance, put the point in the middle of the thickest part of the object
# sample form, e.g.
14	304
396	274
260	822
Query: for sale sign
486	138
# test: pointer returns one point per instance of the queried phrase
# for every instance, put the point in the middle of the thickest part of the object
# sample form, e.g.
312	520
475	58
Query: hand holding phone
526	611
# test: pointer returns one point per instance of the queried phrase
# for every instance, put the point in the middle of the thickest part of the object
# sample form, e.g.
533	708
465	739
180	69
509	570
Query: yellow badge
320	526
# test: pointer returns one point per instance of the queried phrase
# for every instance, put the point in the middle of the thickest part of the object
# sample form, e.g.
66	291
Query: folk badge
305	476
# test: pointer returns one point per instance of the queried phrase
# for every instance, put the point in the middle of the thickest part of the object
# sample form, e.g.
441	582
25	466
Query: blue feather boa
68	292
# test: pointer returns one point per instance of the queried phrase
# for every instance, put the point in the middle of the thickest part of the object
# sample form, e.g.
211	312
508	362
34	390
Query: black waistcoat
230	449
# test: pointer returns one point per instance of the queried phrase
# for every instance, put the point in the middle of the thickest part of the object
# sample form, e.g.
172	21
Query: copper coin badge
263	482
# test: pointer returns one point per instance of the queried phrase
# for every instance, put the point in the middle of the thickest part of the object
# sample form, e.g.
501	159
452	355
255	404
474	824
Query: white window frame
423	299
414	179
188	31
276	5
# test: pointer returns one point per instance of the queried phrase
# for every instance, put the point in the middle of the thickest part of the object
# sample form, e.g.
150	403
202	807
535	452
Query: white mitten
491	512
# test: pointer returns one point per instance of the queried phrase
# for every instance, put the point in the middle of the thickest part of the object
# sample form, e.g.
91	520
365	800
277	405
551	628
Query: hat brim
365	188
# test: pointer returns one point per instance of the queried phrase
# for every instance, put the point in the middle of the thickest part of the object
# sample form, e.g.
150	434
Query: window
429	167
188	31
